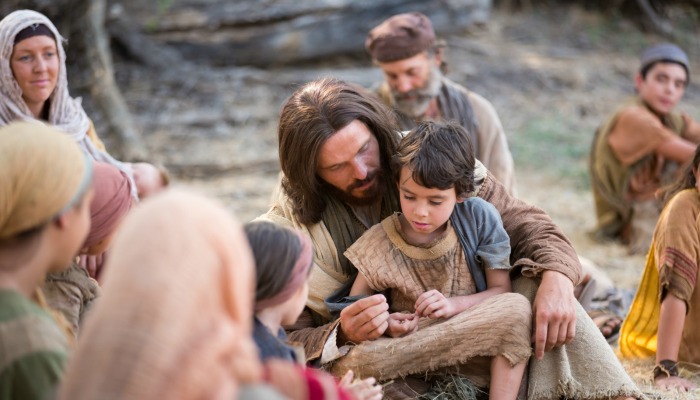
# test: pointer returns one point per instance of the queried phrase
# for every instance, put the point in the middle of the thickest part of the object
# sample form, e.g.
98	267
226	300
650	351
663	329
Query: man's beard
371	195
415	103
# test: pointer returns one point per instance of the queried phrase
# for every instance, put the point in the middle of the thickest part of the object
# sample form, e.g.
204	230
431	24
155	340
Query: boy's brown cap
400	37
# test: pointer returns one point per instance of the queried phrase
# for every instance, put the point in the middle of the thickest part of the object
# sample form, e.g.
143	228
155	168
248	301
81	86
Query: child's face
295	305
663	86
147	178
426	210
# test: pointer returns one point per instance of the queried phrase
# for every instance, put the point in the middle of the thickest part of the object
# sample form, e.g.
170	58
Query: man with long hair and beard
336	142
412	59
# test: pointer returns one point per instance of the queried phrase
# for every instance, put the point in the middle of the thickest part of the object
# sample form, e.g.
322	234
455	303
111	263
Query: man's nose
359	170
403	84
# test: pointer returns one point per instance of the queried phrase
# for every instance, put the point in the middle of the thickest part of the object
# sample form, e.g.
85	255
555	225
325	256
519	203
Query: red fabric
323	386
315	388
111	201
297	382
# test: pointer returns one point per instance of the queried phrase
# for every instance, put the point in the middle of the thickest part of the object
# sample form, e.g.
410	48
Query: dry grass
640	371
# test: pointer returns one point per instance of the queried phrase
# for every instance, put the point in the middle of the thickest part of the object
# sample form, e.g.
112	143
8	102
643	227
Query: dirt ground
552	74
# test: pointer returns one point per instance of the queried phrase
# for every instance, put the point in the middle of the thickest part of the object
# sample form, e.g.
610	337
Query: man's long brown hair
314	113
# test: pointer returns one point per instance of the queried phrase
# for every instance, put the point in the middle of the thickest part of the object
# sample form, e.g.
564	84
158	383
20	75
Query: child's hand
364	389
433	304
674	382
401	324
91	263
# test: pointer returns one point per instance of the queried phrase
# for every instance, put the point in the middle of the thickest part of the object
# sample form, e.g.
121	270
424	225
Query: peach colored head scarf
174	319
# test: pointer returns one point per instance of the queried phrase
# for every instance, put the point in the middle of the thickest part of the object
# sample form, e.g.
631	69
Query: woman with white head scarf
34	84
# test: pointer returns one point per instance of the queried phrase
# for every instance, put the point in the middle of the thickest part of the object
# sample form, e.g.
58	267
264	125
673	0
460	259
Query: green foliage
615	32
554	147
163	7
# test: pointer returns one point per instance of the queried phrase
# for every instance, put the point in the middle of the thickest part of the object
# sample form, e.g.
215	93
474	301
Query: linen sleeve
537	244
308	332
678	249
71	292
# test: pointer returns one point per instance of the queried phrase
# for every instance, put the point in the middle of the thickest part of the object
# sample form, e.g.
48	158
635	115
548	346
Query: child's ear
61	222
460	199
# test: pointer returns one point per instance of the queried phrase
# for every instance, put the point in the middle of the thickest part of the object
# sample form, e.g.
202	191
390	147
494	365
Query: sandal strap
668	368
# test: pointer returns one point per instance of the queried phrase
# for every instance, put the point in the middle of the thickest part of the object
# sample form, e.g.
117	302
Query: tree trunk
103	88
262	35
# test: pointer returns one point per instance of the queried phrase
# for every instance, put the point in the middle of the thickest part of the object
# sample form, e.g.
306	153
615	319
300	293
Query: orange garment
624	164
92	135
175	317
672	267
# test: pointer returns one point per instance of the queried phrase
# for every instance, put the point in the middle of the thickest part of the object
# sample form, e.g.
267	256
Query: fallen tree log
286	32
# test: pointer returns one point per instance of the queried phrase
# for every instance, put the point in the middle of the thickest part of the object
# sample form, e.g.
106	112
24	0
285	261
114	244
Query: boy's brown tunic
624	166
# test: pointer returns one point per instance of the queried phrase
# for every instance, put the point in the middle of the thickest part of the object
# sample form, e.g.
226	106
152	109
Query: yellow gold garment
671	267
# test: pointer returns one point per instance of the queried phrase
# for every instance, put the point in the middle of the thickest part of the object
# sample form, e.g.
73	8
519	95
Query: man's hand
401	324
366	319
554	310
433	304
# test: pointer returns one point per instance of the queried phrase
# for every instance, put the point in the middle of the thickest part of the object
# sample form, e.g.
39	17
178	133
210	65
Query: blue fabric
337	301
484	240
272	346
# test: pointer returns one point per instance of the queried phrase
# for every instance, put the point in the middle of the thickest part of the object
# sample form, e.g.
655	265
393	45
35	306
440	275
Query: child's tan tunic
387	261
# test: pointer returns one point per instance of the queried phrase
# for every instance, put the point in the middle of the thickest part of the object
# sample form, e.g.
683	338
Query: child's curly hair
439	154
